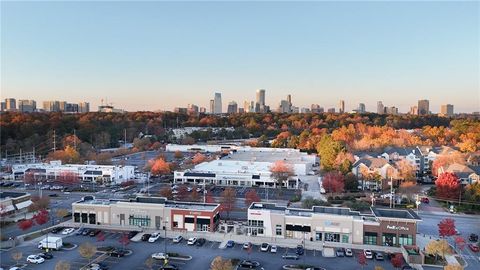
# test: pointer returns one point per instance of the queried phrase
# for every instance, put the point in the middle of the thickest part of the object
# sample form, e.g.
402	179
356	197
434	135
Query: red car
425	200
474	247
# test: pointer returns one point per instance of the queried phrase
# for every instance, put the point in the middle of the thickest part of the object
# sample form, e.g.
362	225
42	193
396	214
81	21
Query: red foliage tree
124	240
397	260
25	224
251	196
127	183
209	198
448	186
182	193
68	178
227	200
459	242
198	158
281	171
100	237
361	259
41	217
29	178
166	192
333	182
446	227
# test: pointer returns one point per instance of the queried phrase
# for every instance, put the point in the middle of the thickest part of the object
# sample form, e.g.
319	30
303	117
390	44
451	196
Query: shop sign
331	223
397	228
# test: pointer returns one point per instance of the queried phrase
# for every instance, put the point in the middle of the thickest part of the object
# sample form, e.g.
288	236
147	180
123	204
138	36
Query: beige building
147	212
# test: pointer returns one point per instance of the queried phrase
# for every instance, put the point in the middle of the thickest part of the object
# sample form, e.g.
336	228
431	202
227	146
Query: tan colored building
147	212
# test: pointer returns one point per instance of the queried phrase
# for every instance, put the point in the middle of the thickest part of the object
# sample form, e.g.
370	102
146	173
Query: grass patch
68	245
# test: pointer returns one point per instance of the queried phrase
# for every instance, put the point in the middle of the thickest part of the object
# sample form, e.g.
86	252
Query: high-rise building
51	106
423	107
27	105
413	110
331	110
10	104
315	108
192	109
232	107
3	106
202	110
217	103
261	97
62	106
241	110
304	110
284	107
361	108
289	99
341	106
71	108
180	110
380	108
83	107
391	110
446	110
212	106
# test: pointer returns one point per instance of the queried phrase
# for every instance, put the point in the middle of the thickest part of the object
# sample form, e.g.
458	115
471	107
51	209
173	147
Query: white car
273	249
348	252
160	256
177	239
247	245
189	189
264	247
368	253
154	237
68	231
35	259
13	268
192	241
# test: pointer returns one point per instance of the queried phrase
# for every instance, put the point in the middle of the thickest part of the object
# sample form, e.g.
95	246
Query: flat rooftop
151	200
291	157
395	213
11	195
233	166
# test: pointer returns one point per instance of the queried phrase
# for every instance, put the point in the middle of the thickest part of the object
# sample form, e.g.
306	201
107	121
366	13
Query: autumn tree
68	155
68	178
87	250
227	200
472	192
448	186
160	166
209	198
328	149
62	265
166	192
409	189
198	158
333	182
41	217
445	160
361	259
397	260
221	264
351	181
39	203
455	266
251	196
405	169
194	195
459	242
61	213
25	224
182	192
378	267
438	248
343	162
124	240
281	171
178	155
446	227
16	256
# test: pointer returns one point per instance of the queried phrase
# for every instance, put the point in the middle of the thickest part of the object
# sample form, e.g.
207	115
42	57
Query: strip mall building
147	213
384	226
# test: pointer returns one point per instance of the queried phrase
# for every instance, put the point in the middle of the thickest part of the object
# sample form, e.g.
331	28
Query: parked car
168	267
145	237
94	232
98	266
132	234
315	268
368	253
348	252
474	247
247	264
118	253
247	245
290	256
45	255
264	247
473	237
192	241
53	195
379	256
57	229
273	249
340	252
154	237
300	250
160	256
80	231
68	230
35	259
86	232
200	242
177	239
230	244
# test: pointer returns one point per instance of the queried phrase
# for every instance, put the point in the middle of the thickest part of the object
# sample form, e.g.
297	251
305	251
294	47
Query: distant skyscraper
315	108
51	106
27	105
212	106
331	110
289	99
232	107
202	110
261	97
3	106
341	106
413	110
192	109
180	110
241	110
380	108
423	107
361	108
284	107
217	102
391	110
83	107
62	106
446	110
10	104
246	106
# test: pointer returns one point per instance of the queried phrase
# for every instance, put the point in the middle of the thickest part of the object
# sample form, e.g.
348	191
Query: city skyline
158	55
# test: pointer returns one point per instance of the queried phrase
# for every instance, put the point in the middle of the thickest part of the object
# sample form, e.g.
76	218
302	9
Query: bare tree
62	265
17	256
87	250
149	263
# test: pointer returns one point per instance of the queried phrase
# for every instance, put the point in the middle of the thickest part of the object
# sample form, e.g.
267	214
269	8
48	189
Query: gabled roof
460	170
371	162
402	151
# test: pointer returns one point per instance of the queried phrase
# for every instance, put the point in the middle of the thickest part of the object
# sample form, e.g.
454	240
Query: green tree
328	149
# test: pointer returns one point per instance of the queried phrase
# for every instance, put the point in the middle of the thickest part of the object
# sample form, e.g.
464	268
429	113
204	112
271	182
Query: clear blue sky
158	55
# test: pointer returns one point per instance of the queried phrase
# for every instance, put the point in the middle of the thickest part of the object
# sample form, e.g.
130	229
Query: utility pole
125	138
391	191
21	160
34	159
54	141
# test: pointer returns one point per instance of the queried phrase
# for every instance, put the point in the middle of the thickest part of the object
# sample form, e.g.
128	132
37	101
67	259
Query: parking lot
201	255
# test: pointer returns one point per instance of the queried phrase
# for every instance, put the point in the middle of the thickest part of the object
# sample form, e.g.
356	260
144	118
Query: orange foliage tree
281	171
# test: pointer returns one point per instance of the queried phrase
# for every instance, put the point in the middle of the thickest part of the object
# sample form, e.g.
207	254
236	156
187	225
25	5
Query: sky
161	55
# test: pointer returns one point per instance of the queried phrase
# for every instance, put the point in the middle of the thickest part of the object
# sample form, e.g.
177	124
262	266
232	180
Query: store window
76	217
389	239
92	218
344	238
318	236
405	239
278	230
332	237
84	218
370	238
142	221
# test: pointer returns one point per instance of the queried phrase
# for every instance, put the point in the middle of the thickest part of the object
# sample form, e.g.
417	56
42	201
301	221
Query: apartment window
405	239
370	238
278	230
